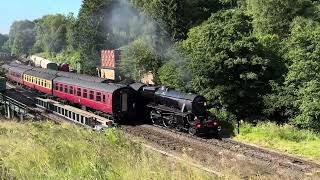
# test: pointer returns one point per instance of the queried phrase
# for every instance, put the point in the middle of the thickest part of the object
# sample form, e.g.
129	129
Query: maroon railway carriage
15	74
112	99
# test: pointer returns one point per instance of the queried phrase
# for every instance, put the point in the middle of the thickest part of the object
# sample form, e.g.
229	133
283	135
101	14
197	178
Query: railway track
281	159
251	156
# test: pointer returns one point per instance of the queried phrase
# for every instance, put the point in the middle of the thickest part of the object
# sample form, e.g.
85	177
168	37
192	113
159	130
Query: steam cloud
130	24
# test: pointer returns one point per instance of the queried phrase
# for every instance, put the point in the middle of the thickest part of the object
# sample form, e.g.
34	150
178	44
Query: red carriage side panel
28	84
43	89
15	74
89	97
15	78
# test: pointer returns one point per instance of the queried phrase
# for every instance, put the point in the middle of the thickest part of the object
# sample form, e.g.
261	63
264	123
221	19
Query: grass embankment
284	138
48	151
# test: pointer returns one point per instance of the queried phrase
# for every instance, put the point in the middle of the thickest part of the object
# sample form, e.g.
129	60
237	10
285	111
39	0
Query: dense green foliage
232	72
21	37
42	150
3	40
248	57
51	33
137	58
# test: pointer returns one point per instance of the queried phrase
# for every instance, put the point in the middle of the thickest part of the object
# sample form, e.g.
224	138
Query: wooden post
8	115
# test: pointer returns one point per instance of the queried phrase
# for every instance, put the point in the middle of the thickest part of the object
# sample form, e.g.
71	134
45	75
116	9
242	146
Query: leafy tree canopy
52	33
228	65
21	37
3	40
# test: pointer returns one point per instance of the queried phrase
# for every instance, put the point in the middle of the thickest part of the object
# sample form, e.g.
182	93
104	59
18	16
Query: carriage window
82	119
66	112
79	92
45	83
57	86
109	99
91	94
104	98
77	117
70	114
98	96
66	89
71	90
73	116
85	93
61	87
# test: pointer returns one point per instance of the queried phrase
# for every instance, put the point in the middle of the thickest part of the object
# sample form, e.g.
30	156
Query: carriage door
124	102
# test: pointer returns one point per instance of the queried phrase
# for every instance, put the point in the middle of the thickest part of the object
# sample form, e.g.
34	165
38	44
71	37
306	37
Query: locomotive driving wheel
179	128
192	130
155	117
168	122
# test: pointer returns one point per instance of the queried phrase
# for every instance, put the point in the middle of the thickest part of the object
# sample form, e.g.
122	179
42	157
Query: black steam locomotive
176	110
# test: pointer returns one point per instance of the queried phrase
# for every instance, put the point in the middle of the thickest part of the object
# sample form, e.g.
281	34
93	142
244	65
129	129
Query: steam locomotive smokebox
2	84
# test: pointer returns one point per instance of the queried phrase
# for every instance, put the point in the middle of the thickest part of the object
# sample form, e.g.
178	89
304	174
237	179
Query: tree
176	17
52	33
302	79
170	77
228	63
3	40
21	37
91	34
275	16
137	58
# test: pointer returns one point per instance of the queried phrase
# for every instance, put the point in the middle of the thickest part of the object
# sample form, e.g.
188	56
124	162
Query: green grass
42	150
284	138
